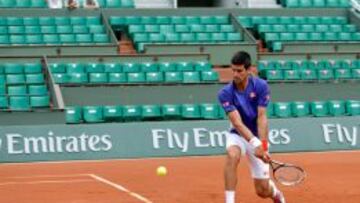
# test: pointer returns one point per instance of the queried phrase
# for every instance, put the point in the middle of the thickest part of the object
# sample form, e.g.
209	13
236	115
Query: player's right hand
261	154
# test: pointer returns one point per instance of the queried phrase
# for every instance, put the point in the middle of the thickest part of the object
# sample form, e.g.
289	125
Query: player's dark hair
241	58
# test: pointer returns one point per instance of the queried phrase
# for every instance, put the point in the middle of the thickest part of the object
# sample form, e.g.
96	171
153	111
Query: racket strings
289	175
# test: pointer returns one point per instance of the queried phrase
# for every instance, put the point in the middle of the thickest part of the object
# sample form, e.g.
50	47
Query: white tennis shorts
258	168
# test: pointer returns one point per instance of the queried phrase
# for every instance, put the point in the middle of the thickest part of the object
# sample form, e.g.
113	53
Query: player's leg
234	148
264	186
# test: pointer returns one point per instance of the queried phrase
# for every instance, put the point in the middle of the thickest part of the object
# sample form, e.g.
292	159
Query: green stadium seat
96	29
38	4
83	38
167	28
127	4
349	28
282	109
222	114
3	102
136	77
300	109
93	20
40	101
4	30
8	3
342	73
218	37
93	114
156	37
187	37
62	20
319	3
323	64
37	90
98	78
131	113
51	39
57	68
321	28
234	37
292	3
325	74
291	64
147	20
19	103
14	21
319	108
162	20
182	28
61	78
2	89
112	68
343	3
308	65
190	20
154	77
202	66
13	68
94	68
305	3
190	111
292	75
80	29
17	39
67	38
245	21
48	29
75	68
177	20
132	20
117	78
191	77
35	78
112	113
46	21
212	28
32	68
4	39
32	30
171	111
64	29
151	28
17	90
101	38
352	107
184	66
15	79
209	76
355	73
79	78
336	107
151	112
77	20
273	74
73	114
2	79
172	37
131	68
167	66
149	67
173	77
209	111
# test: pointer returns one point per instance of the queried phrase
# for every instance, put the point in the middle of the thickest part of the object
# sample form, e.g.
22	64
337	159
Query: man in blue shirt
245	100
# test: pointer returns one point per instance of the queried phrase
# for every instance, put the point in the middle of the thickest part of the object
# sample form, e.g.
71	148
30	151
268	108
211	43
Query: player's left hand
261	154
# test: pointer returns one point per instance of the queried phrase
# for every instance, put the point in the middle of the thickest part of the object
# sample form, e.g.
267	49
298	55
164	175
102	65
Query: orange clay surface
333	177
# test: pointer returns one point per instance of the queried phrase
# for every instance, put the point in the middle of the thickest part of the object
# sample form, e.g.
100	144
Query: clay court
332	178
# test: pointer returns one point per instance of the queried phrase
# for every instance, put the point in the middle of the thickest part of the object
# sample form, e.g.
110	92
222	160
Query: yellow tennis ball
161	171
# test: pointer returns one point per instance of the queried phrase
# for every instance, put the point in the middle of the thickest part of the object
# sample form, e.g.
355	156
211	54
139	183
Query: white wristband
255	142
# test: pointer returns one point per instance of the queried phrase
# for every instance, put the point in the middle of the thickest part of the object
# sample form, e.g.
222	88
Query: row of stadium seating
129	67
96	114
15	79
54	39
310	74
22	90
24	103
59	29
315	3
189	20
50	20
309	64
266	28
43	4
137	77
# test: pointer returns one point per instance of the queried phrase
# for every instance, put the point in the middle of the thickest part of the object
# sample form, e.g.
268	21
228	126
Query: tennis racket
287	174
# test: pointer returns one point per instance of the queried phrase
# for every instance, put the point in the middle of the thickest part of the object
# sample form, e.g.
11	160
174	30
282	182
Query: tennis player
245	100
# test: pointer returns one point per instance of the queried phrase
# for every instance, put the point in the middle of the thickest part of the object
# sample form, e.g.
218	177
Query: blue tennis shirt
256	93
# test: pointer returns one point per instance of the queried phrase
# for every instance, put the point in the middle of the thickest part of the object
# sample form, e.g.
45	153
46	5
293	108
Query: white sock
229	196
274	188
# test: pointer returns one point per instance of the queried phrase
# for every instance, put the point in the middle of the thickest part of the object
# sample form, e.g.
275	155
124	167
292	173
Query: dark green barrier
155	139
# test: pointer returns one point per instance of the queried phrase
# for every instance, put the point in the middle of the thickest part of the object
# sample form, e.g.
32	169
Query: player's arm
237	123
262	123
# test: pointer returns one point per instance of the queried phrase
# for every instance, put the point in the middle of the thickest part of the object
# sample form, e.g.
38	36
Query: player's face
240	74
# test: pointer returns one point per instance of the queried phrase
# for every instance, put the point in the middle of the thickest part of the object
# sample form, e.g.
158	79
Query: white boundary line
121	188
158	158
44	182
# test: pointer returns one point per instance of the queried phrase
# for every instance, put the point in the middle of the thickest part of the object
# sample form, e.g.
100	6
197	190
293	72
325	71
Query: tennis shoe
279	198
